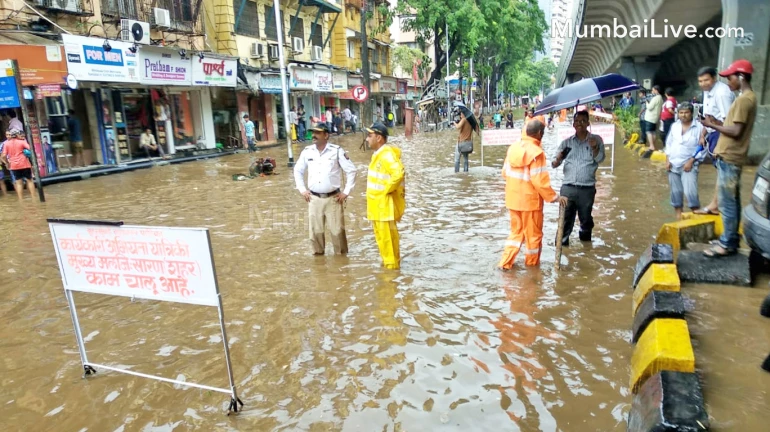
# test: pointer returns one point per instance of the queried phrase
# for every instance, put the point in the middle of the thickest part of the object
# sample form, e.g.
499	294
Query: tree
531	77
508	30
406	58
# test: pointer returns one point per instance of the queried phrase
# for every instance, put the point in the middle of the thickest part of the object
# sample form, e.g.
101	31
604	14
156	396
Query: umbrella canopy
468	115
585	91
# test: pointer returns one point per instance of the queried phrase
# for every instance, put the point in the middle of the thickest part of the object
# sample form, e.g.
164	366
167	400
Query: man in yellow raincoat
385	191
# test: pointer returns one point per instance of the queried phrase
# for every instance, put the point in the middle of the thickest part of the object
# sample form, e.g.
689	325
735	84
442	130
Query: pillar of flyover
640	70
753	16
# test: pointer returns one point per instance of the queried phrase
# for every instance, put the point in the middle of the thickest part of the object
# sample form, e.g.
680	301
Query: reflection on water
338	343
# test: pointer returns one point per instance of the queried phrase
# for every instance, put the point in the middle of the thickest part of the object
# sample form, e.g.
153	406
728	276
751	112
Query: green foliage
530	78
405	58
628	119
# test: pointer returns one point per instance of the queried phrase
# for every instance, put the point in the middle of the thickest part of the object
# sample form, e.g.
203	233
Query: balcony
182	13
114	10
70	7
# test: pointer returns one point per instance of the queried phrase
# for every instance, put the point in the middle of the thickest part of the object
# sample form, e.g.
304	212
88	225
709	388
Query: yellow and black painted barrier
667	391
643	150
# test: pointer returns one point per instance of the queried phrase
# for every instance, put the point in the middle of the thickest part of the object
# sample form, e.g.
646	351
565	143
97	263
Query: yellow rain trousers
385	201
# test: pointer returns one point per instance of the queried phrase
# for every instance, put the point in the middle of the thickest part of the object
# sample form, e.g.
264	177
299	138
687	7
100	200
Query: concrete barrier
656	253
658	277
679	233
664	346
693	266
659	304
669	401
658	156
717	219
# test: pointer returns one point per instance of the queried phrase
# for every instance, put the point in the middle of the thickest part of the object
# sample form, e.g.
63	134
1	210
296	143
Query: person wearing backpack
464	145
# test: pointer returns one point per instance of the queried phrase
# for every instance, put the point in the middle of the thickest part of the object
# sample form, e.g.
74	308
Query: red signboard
39	64
48	90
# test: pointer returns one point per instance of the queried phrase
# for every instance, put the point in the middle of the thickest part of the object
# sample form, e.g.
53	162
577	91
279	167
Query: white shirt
324	170
717	101
329	116
293	117
681	147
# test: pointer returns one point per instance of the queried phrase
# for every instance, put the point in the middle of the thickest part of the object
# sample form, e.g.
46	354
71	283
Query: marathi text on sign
500	137
171	264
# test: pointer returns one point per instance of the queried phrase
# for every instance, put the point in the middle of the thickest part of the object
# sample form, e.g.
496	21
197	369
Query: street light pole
366	112
284	89
448	99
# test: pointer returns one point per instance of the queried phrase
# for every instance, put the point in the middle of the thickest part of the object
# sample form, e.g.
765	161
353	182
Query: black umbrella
585	91
468	115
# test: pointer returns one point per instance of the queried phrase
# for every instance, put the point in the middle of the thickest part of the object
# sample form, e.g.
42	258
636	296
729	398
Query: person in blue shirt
627	101
249	129
76	138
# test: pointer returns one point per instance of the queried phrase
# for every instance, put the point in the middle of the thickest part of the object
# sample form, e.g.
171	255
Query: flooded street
339	343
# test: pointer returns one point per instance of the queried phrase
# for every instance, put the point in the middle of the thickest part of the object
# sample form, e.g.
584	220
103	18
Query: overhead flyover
672	60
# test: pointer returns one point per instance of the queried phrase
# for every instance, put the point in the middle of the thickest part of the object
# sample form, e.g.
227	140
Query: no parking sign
360	93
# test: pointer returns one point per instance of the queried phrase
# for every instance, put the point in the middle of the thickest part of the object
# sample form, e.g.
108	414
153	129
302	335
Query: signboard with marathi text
606	131
500	137
155	263
214	72
323	81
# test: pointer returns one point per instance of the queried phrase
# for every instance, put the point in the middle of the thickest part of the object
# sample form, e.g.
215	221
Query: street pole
448	99
472	83
27	130
284	89
366	111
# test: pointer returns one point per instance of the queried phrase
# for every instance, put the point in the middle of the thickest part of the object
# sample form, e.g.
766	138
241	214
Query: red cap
738	66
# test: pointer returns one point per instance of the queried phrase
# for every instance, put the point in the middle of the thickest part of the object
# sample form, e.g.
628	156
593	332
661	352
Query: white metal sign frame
88	366
515	132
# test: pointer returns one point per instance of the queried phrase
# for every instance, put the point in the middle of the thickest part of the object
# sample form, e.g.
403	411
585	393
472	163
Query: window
248	24
318	35
120	8
299	28
179	10
351	49
270	28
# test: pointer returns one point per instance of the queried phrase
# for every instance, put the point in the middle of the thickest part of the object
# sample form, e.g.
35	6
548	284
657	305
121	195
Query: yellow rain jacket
385	188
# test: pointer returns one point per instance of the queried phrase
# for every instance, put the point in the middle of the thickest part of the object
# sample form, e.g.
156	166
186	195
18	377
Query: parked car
756	215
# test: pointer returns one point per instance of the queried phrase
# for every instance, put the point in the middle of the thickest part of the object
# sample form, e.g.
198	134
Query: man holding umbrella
581	154
466	126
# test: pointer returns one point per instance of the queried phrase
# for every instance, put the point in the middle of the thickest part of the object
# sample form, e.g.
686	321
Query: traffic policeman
324	163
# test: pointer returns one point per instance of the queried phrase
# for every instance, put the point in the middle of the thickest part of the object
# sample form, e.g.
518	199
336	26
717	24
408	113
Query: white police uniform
324	172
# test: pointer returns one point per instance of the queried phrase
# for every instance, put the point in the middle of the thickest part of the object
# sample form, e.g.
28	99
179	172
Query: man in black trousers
581	154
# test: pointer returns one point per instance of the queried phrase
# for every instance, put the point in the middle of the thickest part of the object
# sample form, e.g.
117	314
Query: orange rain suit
527	184
528	119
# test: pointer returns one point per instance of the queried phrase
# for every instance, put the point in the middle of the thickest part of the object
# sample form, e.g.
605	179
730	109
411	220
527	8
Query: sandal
719	251
706	211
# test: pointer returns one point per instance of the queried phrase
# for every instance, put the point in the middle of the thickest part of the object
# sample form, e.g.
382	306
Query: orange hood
522	154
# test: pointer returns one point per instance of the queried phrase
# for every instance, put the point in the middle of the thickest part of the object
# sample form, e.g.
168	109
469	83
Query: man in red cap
731	150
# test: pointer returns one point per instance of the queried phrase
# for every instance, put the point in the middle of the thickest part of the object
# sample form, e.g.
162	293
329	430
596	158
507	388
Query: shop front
301	93
220	74
323	88
270	89
388	87
43	72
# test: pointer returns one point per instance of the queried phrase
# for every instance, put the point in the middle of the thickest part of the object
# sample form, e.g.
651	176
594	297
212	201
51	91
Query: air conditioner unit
68	5
162	17
318	53
297	44
257	50
272	52
135	31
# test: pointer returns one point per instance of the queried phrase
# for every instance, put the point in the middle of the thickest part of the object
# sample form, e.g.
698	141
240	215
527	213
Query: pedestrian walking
464	146
731	151
301	123
293	122
16	155
581	154
668	113
717	99
249	129
75	136
683	158
527	186
324	163
498	118
385	194
652	116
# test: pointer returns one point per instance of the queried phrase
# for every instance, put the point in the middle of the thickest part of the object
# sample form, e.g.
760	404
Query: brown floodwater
339	343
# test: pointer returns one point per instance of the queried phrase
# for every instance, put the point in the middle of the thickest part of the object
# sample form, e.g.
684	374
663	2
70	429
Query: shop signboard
87	59
322	80
340	81
38	64
270	83
354	81
388	85
164	66
9	94
214	72
300	78
402	87
48	90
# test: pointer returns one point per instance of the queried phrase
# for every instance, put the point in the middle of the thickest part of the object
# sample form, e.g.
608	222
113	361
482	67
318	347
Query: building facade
561	14
121	67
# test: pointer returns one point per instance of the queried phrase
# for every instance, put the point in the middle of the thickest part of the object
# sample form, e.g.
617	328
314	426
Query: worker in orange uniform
527	185
385	194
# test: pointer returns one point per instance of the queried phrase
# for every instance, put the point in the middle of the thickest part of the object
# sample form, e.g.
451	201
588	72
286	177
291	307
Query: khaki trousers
327	213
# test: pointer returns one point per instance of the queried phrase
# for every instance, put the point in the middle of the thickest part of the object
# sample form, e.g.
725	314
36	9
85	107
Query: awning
380	43
352	34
